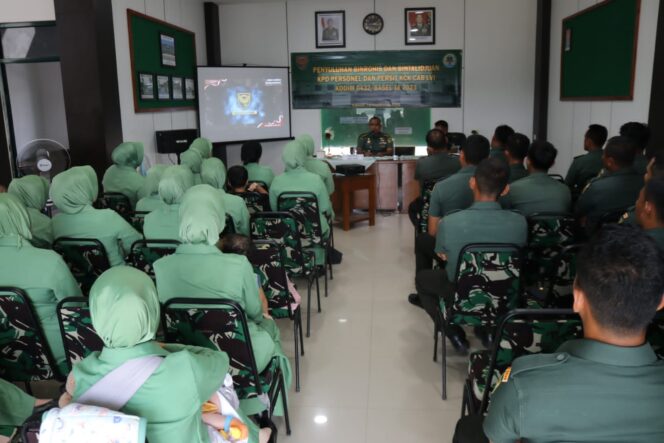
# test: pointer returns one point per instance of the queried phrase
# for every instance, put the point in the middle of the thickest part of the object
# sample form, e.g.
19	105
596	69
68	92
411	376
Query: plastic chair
145	252
488	285
78	335
24	352
266	259
85	257
116	201
221	325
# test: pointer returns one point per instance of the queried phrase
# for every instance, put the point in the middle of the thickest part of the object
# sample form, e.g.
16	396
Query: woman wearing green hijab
73	192
125	313
40	272
164	223
32	191
149	199
193	160
122	176
297	178
312	164
199	269
203	146
213	173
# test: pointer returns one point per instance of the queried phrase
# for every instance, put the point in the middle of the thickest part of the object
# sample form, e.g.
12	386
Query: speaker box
176	141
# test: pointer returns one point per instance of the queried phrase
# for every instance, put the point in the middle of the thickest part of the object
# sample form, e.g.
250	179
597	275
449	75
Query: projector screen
237	104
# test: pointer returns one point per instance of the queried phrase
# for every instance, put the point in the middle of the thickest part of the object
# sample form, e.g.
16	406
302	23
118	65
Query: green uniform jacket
299	179
583	169
236	208
15	407
199	270
45	288
261	173
163	223
658	235
498	153
172	397
150	203
374	143
41	228
436	166
610	192
125	180
587	391
517	172
32	191
104	225
453	193
321	169
483	222
640	163
538	193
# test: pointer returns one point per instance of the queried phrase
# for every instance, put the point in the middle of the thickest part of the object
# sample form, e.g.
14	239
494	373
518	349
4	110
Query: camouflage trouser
432	285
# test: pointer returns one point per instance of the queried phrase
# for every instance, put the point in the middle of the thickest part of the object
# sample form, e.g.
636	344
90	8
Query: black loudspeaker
176	141
352	169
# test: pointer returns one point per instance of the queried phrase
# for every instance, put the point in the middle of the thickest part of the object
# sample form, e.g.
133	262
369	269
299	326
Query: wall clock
372	23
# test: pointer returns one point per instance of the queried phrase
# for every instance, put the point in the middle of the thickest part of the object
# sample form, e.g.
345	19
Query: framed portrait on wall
178	88
167	47
330	29
420	26
189	89
146	86
163	87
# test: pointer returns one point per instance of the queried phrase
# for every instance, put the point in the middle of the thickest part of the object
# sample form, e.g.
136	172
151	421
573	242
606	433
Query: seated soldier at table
538	192
616	189
515	153
449	195
608	386
483	222
375	142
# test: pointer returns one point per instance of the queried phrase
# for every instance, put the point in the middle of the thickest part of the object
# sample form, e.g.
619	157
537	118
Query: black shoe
414	299
460	344
485	337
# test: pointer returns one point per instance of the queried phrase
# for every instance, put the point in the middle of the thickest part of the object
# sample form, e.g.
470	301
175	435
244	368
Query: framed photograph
167	47
178	88
146	86
420	26
331	29
189	89
163	87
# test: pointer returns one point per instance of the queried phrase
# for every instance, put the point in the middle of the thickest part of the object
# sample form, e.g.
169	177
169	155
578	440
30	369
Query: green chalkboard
151	46
598	52
407	126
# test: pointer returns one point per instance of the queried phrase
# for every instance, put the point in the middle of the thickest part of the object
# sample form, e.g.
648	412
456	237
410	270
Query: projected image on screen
241	103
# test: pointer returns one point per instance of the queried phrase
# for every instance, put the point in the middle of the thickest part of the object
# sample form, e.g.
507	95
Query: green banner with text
415	79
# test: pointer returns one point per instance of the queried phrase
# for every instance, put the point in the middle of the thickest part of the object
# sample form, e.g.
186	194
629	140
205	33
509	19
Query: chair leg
284	402
435	342
444	370
325	269
28	388
299	322
309	283
318	292
297	357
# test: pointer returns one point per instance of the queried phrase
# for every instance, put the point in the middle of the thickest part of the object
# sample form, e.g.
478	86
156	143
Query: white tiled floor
372	375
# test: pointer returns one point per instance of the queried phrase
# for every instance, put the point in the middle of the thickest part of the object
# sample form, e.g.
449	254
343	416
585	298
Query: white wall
187	14
37	102
568	121
497	39
26	11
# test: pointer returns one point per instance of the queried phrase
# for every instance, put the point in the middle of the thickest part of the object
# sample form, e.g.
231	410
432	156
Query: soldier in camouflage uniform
40	272
586	167
199	269
515	153
484	222
580	392
375	142
639	135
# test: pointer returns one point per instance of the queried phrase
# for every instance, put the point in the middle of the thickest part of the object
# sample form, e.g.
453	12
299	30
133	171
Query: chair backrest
230	225
266	258
78	335
86	258
561	280
24	352
528	331
216	324
137	220
116	201
282	228
30	431
488	284
145	252
255	201
304	208
427	190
